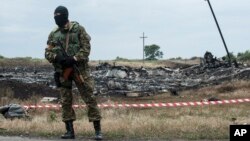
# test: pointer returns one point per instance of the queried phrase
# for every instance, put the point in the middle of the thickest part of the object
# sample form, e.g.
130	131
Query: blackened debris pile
146	81
124	80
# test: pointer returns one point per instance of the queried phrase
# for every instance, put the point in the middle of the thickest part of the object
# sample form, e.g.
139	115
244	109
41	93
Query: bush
120	59
52	116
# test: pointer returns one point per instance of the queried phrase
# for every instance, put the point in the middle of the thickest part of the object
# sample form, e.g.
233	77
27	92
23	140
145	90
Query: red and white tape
176	104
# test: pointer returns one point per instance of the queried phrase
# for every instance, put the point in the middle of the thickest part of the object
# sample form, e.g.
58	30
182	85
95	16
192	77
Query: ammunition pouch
57	79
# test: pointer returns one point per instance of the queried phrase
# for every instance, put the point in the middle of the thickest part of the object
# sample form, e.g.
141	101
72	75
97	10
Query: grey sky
182	28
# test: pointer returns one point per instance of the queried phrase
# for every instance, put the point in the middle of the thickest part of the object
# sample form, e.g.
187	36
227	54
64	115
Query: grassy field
203	122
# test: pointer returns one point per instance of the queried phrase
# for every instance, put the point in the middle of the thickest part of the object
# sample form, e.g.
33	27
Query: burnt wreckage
147	81
123	80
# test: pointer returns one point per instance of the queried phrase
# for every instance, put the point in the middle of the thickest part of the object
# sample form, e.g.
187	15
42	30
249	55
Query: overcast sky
182	28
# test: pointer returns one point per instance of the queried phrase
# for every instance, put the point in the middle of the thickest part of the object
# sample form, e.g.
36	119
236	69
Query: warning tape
116	105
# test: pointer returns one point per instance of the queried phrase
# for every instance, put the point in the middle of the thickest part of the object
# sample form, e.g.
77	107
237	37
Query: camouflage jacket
78	44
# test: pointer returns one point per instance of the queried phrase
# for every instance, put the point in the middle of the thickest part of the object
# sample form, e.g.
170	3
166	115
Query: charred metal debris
128	81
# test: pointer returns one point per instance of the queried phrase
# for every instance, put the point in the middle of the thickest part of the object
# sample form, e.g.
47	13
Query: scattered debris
132	94
128	81
49	100
13	111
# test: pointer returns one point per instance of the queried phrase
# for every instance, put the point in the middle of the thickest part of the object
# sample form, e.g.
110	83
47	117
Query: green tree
152	52
244	56
1	57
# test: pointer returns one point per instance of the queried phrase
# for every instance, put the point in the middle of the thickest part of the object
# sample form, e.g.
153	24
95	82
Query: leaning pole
223	40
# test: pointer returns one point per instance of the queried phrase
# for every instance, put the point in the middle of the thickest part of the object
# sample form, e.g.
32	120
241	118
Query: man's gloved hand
60	59
69	62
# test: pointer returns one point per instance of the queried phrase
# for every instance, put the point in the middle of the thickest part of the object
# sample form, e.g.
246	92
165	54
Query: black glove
60	59
69	62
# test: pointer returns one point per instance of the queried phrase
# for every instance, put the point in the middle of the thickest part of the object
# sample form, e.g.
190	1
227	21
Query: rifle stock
67	72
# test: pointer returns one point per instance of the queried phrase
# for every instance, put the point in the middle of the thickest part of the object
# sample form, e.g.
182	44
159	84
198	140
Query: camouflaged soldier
75	41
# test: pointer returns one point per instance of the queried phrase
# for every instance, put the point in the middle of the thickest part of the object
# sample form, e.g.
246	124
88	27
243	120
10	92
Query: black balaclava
61	19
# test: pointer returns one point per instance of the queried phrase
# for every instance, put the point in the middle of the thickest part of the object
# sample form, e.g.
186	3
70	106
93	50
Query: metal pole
143	45
228	55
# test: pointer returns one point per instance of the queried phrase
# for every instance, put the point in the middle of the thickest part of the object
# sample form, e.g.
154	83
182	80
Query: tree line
152	52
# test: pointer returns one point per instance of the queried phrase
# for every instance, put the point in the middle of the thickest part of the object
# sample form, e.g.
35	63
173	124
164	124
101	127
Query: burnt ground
20	90
25	81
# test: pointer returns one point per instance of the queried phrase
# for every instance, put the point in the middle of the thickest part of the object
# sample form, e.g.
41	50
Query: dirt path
16	138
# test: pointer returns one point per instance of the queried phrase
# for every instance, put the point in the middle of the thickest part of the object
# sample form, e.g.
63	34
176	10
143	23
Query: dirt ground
15	138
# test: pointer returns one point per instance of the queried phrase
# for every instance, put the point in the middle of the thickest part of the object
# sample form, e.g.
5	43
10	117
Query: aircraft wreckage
123	80
148	81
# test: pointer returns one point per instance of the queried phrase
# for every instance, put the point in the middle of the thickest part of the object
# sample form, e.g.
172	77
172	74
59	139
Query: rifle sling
67	42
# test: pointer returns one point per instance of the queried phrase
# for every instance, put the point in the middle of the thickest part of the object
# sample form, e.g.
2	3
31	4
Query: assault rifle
70	70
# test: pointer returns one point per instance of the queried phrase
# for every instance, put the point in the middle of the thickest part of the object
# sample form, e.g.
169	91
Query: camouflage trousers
86	91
